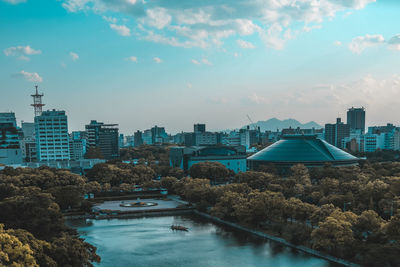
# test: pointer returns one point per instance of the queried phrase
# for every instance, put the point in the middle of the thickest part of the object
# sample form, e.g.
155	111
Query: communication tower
37	102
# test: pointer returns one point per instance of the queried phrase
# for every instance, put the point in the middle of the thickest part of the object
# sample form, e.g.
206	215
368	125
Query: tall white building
52	139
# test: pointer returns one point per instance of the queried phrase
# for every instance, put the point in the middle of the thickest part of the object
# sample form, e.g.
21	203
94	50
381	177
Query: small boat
179	228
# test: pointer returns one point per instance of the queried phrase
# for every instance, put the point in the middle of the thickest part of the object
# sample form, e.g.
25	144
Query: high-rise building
77	145
356	119
10	147
138	140
335	133
248	137
199	128
28	143
52	139
8	118
105	137
158	135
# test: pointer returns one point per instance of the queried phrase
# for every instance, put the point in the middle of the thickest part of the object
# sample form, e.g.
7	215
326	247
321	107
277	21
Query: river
149	241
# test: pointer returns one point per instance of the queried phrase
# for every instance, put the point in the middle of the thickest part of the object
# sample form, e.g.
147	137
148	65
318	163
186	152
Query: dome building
301	149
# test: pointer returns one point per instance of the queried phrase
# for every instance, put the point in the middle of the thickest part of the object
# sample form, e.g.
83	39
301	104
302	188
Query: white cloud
121	29
29	76
258	99
110	19
157	60
21	52
15	2
157	18
338	43
204	24
131	59
74	56
245	44
360	43
394	42
206	61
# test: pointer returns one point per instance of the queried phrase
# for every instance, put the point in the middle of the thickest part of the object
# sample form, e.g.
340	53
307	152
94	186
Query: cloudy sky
177	62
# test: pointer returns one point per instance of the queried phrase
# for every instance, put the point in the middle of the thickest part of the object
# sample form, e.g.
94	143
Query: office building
52	139
77	145
199	128
8	118
28	142
233	158
248	137
10	147
105	137
138	140
206	138
356	119
147	137
158	135
335	133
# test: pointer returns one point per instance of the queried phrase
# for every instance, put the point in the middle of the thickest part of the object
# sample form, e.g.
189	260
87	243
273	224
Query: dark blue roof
302	148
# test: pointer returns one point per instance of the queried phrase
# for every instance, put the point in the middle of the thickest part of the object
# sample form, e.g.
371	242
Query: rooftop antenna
37	102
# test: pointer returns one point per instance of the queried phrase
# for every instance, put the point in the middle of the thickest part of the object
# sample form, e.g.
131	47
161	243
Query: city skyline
144	64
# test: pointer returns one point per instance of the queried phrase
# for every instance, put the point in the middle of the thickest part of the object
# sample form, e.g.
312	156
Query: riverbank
114	211
278	240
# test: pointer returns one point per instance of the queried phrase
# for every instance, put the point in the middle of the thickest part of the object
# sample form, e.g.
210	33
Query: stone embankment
278	240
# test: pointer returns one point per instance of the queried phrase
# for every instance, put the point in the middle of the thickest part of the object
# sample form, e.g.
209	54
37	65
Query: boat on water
179	228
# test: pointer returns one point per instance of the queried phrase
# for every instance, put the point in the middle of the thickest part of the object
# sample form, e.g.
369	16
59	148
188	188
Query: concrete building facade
52	138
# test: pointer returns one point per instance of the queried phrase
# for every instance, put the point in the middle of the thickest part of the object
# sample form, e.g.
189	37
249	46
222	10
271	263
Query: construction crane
254	125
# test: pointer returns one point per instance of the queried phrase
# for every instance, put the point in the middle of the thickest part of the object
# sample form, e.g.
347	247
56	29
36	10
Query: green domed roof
303	149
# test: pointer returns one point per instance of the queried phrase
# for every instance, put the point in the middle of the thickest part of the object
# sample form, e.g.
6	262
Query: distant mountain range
274	123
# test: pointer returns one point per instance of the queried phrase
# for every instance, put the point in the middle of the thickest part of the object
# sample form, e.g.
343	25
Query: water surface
150	242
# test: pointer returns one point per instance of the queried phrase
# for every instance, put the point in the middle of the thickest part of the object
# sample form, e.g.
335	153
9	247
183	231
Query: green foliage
34	211
13	252
116	174
94	153
210	170
30	201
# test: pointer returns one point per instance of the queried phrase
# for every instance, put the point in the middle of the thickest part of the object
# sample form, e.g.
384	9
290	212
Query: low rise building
233	158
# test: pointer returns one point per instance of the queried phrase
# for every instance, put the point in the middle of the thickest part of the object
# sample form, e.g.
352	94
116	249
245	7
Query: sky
173	63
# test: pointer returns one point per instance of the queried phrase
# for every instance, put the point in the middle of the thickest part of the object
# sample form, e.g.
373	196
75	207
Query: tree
209	170
300	174
320	214
70	251
13	252
225	206
392	228
68	196
168	183
332	235
369	222
256	180
41	249
92	188
94	153
176	172
34	211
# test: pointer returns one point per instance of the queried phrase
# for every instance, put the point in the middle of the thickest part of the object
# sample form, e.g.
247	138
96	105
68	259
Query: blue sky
177	62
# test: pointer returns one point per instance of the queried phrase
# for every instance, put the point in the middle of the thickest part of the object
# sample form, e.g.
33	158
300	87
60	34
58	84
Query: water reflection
151	242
